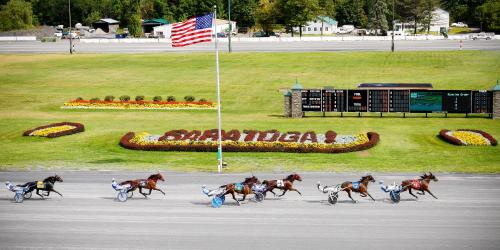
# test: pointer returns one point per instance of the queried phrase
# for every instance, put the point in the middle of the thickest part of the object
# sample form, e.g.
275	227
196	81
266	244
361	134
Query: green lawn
33	87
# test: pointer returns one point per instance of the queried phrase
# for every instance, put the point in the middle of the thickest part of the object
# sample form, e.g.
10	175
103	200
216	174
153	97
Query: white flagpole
219	141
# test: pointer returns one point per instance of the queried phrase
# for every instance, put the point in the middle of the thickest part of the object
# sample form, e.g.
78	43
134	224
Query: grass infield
33	87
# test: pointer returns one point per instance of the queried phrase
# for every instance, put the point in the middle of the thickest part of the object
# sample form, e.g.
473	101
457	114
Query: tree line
266	15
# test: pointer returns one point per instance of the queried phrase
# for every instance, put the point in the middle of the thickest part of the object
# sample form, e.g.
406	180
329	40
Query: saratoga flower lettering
467	137
56	130
250	141
84	104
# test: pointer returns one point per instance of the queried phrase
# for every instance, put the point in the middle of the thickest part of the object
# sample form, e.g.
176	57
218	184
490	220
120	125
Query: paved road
466	216
63	46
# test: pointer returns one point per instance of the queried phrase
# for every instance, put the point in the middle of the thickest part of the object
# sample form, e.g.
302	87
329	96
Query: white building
223	26
440	20
322	23
165	31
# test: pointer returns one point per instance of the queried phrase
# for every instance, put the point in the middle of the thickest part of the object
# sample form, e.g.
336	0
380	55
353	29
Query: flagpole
219	140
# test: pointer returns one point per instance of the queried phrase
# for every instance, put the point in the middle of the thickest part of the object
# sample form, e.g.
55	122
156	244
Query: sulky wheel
217	201
259	196
395	197
19	197
332	198
27	195
122	196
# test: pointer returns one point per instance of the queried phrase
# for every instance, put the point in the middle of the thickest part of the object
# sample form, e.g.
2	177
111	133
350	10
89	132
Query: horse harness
280	183
415	184
355	185
40	185
239	186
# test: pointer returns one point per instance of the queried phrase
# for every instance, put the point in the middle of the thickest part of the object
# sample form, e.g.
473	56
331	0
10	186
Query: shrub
189	98
95	99
109	98
139	98
203	100
124	98
79	99
171	99
157	98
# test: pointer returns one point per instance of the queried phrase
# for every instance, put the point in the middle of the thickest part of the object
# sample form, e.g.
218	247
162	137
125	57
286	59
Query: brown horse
421	184
285	184
360	187
244	188
149	183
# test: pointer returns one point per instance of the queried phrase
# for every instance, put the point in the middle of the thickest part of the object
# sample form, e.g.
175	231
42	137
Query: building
107	25
149	24
322	23
223	26
440	22
162	31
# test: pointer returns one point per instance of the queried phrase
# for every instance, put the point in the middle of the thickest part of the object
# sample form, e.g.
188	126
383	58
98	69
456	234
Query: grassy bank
33	87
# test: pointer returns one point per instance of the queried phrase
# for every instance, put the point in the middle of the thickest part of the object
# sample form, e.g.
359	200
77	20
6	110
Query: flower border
78	128
125	141
137	105
455	141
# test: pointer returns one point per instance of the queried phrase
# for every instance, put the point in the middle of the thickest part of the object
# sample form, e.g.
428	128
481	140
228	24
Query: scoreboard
378	101
357	100
457	101
399	101
311	100
482	101
334	100
391	100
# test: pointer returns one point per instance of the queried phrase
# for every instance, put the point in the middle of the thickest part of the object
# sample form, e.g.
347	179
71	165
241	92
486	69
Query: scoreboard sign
311	100
426	101
334	100
457	101
357	100
404	101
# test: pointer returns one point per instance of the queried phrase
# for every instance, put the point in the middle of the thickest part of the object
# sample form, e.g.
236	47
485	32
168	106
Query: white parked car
459	25
482	35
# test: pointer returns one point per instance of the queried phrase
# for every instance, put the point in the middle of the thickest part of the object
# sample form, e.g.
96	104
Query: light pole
70	38
392	44
230	26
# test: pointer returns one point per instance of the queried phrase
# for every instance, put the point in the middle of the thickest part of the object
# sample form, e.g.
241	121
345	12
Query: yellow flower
47	131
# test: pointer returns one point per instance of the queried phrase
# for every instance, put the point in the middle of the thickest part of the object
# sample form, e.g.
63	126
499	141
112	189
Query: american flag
194	30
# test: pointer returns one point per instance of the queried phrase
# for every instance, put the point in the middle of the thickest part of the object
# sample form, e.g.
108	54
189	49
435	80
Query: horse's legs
409	191
37	192
271	190
293	189
53	190
421	192
369	195
428	191
349	194
284	191
244	196
157	189
140	191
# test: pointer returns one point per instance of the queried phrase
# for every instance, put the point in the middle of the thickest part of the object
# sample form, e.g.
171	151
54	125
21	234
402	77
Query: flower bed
56	130
83	104
250	141
467	137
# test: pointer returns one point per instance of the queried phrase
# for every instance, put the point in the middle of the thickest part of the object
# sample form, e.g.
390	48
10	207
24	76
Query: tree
16	14
243	12
377	15
265	15
296	13
351	12
428	7
490	15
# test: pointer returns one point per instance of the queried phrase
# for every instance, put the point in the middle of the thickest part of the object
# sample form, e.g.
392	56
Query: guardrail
288	39
17	38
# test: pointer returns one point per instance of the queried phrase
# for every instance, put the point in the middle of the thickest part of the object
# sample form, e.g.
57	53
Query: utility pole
392	44
230	25
70	38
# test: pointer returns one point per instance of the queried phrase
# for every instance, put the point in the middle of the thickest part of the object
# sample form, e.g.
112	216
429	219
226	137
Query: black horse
46	185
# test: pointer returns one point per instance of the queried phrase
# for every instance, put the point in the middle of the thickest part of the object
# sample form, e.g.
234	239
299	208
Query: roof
297	85
395	86
108	21
161	21
497	87
328	20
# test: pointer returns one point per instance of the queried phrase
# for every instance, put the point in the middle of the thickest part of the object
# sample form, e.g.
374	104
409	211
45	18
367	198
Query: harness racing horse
360	187
244	188
421	184
285	184
149	183
46	185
